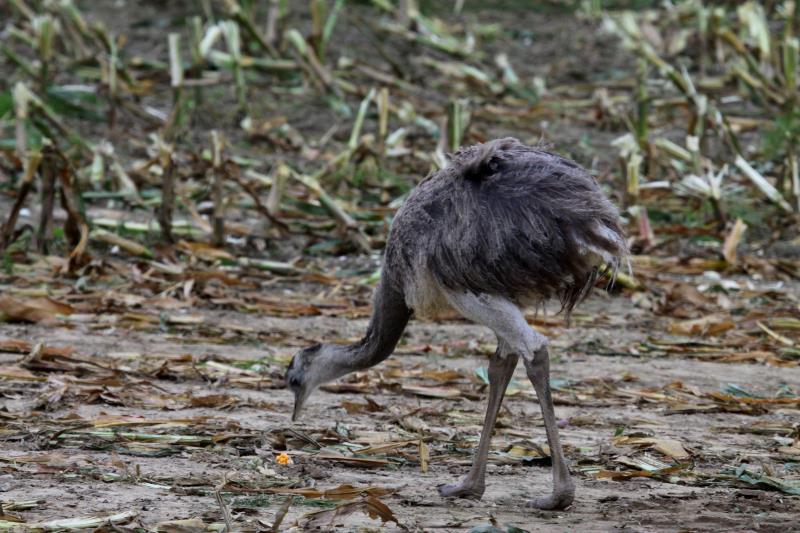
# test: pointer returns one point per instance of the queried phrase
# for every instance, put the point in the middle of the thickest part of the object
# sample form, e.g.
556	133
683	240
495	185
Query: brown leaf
424	456
440	376
20	346
669	447
432	392
220	401
707	325
354	407
793	451
204	251
732	241
626	474
385	447
355	461
342	492
370	505
683	300
192	525
16	373
32	309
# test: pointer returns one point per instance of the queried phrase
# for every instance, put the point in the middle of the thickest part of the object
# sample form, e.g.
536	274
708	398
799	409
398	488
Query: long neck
389	318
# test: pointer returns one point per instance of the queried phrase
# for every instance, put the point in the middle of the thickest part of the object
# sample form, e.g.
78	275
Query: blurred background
281	129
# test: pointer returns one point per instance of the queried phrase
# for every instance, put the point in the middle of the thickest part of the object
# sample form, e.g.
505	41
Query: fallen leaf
342	492
20	346
424	456
669	447
32	309
432	392
204	251
790	450
370	505
789	486
355	461
14	372
82	522
707	325
732	240
191	525
354	407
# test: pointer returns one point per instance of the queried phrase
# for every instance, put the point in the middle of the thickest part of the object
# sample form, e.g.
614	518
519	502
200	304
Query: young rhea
503	226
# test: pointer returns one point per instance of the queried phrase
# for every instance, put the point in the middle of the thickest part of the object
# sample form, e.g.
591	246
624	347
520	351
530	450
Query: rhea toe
502	227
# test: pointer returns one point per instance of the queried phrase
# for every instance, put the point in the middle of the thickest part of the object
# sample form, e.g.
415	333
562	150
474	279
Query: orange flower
283	459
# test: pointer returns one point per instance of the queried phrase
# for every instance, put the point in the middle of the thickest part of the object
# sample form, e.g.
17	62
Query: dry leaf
342	492
354	407
670	447
355	461
794	450
32	309
191	525
204	251
432	392
14	372
20	346
732	240
424	456
324	520
708	325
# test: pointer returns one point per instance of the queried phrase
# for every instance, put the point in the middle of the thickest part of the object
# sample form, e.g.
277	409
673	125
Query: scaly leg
563	494
508	323
501	368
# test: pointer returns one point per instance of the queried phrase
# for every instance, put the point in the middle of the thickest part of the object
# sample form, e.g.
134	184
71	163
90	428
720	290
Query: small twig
355	134
130	246
48	194
277	267
31	165
167	193
226	513
245	22
176	82
218	218
316	68
276	190
281	514
273	19
312	183
253	193
75	229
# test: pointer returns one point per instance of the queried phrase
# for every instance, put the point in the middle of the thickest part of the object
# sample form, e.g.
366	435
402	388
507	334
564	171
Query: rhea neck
390	314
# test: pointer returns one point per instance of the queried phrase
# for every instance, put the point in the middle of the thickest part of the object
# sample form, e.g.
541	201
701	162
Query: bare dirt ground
186	378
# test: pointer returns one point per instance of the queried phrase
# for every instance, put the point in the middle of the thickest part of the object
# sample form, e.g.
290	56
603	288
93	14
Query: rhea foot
463	489
555	502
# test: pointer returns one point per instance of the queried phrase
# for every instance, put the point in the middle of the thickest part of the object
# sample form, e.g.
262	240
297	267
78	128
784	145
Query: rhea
503	226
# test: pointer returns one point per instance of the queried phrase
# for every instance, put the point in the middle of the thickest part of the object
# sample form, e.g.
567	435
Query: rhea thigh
503	317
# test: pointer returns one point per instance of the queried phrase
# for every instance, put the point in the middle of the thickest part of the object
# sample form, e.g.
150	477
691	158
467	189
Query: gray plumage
504	225
507	219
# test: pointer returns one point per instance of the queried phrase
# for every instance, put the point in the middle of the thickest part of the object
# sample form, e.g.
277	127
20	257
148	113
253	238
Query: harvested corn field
191	194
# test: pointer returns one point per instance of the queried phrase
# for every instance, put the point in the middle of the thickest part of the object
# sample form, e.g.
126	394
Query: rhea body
502	227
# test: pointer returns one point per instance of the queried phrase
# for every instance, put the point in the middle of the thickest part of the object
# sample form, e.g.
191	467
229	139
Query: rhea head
310	368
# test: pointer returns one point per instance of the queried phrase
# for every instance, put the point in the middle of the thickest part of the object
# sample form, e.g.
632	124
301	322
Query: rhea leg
538	369
509	324
501	368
